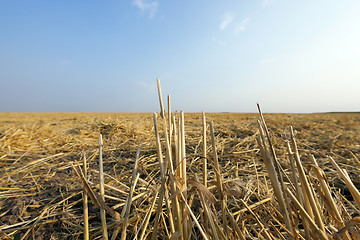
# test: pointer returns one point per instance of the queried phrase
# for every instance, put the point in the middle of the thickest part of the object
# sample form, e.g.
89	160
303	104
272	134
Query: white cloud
145	5
222	43
227	19
241	26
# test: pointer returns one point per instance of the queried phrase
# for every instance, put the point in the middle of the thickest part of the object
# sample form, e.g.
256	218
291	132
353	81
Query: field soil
41	194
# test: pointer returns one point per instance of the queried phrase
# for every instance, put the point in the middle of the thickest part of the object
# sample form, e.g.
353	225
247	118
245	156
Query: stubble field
41	194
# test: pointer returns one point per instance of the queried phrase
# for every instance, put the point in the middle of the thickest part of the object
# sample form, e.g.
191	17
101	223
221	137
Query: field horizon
330	112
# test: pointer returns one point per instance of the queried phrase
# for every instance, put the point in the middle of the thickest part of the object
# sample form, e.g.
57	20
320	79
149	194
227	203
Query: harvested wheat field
91	148
213	176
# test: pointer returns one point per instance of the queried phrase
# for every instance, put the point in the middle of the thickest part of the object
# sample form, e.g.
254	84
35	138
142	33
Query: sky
212	56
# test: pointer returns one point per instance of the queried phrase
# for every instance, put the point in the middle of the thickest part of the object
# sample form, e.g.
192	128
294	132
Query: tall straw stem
183	150
306	186
175	200
102	189
162	109
297	188
204	150
277	169
183	169
176	149
218	178
163	168
216	160
169	160
269	164
305	200
85	202
169	118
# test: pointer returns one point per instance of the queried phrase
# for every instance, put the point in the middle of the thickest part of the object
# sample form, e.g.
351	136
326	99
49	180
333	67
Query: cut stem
102	190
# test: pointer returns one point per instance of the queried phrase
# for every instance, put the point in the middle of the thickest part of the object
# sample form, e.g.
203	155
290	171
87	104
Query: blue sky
213	56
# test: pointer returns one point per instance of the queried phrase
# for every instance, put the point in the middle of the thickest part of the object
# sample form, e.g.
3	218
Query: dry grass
41	194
